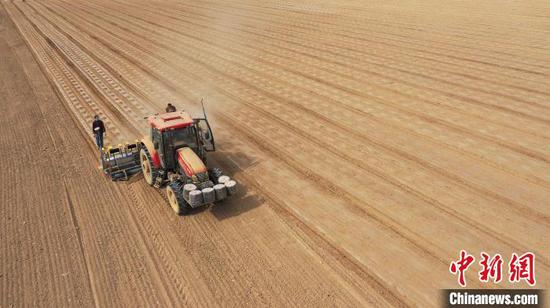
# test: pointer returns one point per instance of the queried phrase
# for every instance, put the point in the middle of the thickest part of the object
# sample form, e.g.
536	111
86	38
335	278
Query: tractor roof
170	120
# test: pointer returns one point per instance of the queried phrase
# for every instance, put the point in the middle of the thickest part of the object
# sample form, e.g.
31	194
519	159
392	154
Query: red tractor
173	155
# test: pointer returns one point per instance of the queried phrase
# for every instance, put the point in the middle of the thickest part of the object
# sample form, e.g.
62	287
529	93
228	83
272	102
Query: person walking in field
170	108
98	129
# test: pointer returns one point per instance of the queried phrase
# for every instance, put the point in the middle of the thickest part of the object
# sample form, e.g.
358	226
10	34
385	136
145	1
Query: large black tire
174	192
150	173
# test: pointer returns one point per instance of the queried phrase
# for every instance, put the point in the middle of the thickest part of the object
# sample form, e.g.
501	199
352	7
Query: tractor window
182	137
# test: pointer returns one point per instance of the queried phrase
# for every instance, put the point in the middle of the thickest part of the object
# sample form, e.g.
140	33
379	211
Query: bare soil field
373	141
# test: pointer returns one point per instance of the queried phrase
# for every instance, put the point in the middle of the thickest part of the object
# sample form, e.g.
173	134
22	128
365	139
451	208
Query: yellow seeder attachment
121	162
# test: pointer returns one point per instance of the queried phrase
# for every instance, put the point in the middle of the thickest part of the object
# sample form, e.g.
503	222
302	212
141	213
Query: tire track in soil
295	24
482	158
520	175
69	199
81	99
299	24
280	156
32	229
307	172
352	22
431	201
80	244
361	58
127	107
314	239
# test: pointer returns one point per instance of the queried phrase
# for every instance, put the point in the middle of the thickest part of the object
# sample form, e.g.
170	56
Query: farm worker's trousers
99	140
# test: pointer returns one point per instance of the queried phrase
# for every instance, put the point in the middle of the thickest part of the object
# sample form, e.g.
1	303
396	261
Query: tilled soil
373	141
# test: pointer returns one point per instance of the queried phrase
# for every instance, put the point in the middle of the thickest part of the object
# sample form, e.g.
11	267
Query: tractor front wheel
149	171
174	192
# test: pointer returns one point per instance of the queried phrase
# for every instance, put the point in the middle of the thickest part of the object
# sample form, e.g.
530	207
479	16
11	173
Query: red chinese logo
523	268
461	266
520	268
491	268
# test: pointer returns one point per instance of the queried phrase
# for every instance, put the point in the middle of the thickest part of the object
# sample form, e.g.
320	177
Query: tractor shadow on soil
243	201
233	163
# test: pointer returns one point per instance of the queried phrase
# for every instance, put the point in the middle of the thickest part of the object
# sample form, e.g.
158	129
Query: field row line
182	47
255	126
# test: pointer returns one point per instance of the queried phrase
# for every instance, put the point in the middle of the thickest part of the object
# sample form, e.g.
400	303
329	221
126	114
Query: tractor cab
175	130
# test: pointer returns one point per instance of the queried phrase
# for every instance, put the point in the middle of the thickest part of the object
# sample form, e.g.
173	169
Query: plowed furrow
463	141
372	142
357	163
143	55
344	60
462	37
536	67
80	99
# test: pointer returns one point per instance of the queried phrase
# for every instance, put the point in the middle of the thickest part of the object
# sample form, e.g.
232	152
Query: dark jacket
98	127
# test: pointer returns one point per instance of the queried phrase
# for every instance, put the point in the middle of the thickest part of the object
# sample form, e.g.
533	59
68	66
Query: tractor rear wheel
174	192
150	173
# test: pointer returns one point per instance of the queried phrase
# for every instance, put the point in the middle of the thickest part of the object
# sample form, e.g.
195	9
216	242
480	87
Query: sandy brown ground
373	141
